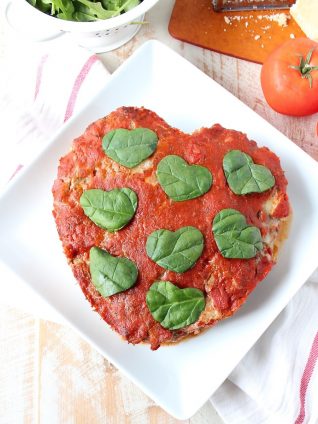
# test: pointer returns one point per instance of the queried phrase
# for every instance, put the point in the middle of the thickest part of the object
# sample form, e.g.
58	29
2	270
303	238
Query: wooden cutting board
249	35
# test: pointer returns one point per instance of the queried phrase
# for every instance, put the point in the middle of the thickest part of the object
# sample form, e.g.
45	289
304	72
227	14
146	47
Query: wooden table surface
48	373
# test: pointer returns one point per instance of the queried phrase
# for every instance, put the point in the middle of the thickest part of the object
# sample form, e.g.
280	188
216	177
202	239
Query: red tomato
289	78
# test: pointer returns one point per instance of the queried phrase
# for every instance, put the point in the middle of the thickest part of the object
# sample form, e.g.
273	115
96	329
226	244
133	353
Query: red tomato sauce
87	167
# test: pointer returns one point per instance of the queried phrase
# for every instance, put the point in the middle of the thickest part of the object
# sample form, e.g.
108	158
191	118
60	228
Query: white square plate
179	378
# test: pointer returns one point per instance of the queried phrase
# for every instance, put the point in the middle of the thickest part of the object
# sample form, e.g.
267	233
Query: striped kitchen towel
277	381
41	87
40	91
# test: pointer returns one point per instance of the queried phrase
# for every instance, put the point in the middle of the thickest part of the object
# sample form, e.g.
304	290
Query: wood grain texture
18	370
50	375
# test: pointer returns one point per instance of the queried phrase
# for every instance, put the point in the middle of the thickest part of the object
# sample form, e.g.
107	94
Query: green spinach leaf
130	147
174	308
120	5
177	251
181	181
234	237
112	4
130	4
110	210
110	274
84	10
45	6
96	10
63	9
82	16
244	176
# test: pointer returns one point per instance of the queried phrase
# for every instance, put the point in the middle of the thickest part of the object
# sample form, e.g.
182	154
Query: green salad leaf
111	274
96	10
130	4
110	210
175	250
234	237
244	176
181	181
43	5
130	147
111	4
63	8
84	10
173	307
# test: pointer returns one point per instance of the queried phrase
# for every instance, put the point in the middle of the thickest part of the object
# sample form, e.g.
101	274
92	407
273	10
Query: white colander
99	36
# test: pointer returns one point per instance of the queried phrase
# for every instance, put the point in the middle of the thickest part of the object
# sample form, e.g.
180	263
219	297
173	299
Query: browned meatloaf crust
225	282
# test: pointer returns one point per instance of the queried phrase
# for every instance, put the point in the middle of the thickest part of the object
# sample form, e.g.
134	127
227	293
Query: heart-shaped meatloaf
145	211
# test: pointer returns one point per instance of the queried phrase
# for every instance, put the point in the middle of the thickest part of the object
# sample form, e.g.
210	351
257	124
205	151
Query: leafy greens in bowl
84	10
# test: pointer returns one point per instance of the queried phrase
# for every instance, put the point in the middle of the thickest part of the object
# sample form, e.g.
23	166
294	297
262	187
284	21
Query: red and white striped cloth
277	381
40	92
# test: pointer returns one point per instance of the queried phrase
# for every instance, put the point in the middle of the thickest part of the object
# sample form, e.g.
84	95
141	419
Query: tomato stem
305	68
